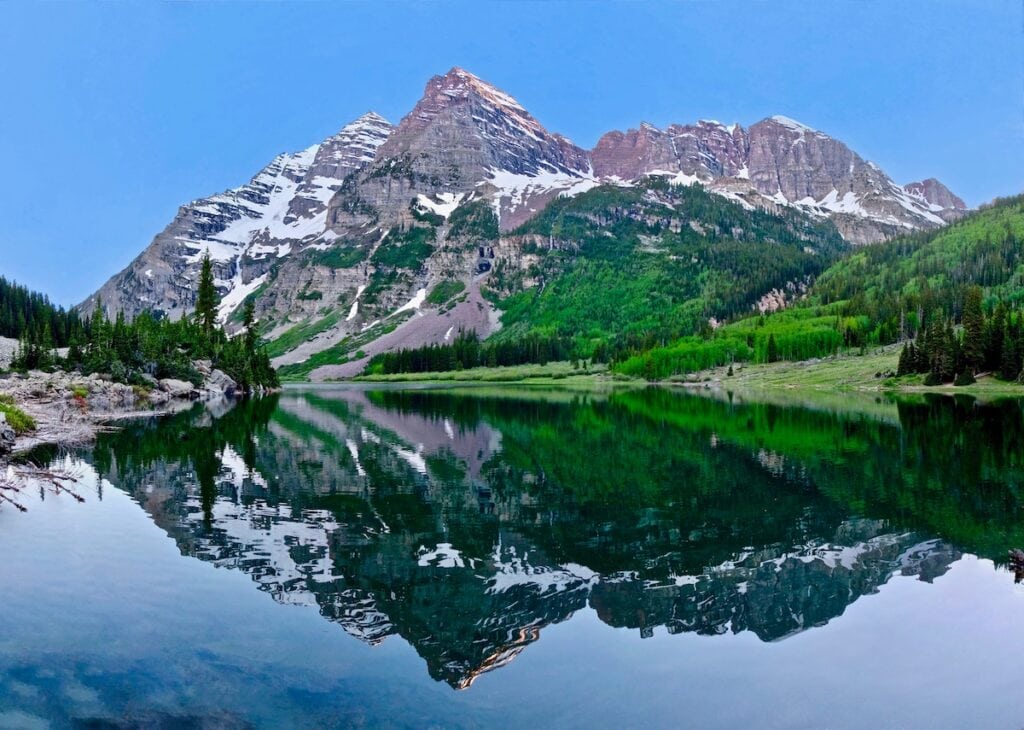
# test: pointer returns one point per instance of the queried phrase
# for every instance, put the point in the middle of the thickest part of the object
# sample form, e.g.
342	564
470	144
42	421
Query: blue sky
114	114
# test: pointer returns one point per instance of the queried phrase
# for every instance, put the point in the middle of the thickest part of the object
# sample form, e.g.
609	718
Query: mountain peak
370	117
935	194
465	124
459	84
790	123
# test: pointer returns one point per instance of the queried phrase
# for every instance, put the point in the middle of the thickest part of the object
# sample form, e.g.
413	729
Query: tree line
23	311
148	347
468	351
984	343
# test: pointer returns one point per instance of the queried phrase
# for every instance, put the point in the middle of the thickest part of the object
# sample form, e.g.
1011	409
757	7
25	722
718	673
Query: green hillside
654	261
878	294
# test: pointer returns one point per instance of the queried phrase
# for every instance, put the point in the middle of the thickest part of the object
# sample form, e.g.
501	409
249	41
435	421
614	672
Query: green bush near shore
17	419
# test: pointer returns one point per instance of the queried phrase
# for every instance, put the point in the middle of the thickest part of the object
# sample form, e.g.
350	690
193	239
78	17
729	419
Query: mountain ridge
359	222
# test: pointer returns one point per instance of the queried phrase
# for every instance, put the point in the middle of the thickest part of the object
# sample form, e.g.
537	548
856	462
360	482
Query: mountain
383	236
983	248
879	295
784	162
245	229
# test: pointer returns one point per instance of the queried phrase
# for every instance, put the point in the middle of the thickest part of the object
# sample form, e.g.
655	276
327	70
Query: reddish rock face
706	149
464	121
460	133
935	193
786	163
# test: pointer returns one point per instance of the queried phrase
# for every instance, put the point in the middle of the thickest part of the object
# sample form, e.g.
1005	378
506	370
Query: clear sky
112	115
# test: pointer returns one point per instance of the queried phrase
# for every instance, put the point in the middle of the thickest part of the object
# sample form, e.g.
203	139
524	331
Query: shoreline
868	374
70	409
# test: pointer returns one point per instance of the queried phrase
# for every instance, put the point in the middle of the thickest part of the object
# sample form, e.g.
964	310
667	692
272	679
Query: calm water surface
338	557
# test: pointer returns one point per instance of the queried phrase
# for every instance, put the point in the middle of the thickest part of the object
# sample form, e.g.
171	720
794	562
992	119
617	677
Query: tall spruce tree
249	321
206	298
995	336
974	330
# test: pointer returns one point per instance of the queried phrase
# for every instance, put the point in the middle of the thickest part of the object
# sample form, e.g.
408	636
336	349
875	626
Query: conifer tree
249	322
206	298
1009	357
974	330
906	362
995	337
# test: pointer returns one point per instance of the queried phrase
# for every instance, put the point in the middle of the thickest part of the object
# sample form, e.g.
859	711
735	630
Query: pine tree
921	362
995	337
206	298
974	330
773	349
906	362
1009	357
249	321
944	366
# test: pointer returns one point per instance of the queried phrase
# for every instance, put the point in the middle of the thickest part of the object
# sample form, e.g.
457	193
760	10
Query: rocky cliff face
939	198
245	229
780	161
344	240
465	138
705	150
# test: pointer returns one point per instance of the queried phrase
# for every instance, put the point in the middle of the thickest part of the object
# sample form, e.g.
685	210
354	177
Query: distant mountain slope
985	248
876	295
655	260
343	245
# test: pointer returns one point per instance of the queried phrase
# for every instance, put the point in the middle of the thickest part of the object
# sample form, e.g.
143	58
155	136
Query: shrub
444	291
343	257
406	249
17	419
965	378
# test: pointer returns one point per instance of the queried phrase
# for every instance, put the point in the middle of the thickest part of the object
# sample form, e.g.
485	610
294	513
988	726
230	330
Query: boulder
203	367
7	435
219	382
177	388
158	397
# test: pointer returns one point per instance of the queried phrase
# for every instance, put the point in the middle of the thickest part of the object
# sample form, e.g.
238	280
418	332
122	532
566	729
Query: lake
525	557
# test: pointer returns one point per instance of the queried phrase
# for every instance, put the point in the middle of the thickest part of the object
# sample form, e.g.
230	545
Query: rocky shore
70	408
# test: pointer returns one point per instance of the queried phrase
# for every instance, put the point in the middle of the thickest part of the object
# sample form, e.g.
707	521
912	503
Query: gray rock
219	382
7	435
177	388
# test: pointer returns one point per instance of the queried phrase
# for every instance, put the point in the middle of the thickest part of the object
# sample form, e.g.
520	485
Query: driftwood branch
18	477
8	487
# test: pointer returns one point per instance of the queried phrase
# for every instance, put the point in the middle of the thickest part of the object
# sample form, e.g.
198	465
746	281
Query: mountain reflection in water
466	521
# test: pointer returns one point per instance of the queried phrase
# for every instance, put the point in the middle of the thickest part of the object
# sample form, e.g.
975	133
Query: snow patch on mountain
515	190
443	204
237	293
415	303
